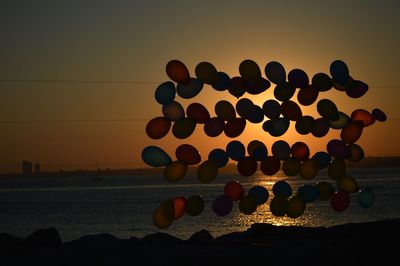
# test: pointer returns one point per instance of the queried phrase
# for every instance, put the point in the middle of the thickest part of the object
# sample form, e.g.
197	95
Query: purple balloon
214	127
321	127
222	205
338	149
356	89
379	115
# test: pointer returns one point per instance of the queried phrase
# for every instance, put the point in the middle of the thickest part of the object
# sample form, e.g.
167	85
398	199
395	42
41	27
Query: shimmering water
123	206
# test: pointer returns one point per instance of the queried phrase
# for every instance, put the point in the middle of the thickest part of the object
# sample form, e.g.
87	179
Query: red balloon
234	190
352	131
321	127
340	200
214	127
271	165
235	127
198	113
291	110
158	127
307	95
179	207
178	72
300	151
188	154
247	166
364	116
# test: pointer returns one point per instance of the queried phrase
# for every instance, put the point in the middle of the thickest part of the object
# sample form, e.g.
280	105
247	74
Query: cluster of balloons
278	113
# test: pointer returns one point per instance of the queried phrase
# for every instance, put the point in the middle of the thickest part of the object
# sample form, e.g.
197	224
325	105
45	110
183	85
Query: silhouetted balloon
247	166
348	183
282	188
260	193
308	193
305	125
189	90
243	107
278	206
253	145
179	207
270	165
158	127
291	166
219	156
352	131
323	159
326	190
257	86
337	169
194	205
164	215
248	205
249	70
307	95
222	205
309	169
357	153
207	171
225	110
338	86
339	72
222	83
198	113
291	110
255	114
214	127
237	87
295	207
275	72
321	127
298	78
341	122
281	150
177	71
235	150
175	171
276	127
322	82
327	109
173	111
340	201
356	88
188	154
379	115
300	151
234	190
165	93
338	149
284	91
363	116
184	128
272	109
366	198
206	72
155	156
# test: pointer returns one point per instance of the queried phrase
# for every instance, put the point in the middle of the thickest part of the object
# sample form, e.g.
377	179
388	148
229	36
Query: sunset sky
133	40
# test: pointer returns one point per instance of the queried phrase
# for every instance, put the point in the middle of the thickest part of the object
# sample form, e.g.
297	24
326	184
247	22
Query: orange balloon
364	116
352	131
178	72
179	207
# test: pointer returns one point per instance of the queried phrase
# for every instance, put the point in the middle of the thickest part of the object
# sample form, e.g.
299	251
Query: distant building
26	168
37	169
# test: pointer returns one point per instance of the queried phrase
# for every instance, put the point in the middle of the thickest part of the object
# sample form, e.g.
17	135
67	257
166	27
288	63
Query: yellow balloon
164	215
348	183
295	207
248	205
175	171
309	169
278	205
326	190
337	169
207	171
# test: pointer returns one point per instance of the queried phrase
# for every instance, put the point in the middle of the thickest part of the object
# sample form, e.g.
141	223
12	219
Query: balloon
194	205
284	91
305	125
177	71
322	82
277	127
175	171
235	150
173	111
189	90
237	87
253	145
307	95
179	207
298	78
308	193
278	206
155	156
340	201
257	86
260	193
260	154
309	169
164	215
249	70
300	151
255	114
352	132
282	188
339	72
206	72
281	150
366	198
348	184
363	116
225	110
214	127
338	149
337	169
323	159
379	115
272	109
341	122
275	72
248	205
222	82
188	154
198	113
356	88
291	111
247	166
326	190
243	107
222	205
327	109
291	166
295	207
207	171
321	127
338	86
158	127
234	190
165	93
357	153
219	156
270	165
184	128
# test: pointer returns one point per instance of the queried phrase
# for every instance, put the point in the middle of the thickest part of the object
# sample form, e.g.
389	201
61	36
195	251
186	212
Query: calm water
123	206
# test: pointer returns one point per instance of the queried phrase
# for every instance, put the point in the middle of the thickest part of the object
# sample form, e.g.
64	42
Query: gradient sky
133	40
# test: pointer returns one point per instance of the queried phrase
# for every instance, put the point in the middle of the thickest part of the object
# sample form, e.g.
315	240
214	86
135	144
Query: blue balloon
282	188
255	114
281	150
308	193
219	156
236	150
260	193
366	198
165	93
279	127
272	109
323	159
155	156
260	154
223	82
340	72
189	90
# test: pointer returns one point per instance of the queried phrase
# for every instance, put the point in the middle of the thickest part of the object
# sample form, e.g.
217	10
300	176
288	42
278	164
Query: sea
124	205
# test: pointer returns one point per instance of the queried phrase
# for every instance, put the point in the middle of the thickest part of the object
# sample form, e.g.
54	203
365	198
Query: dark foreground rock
374	243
